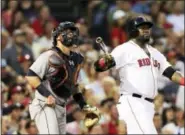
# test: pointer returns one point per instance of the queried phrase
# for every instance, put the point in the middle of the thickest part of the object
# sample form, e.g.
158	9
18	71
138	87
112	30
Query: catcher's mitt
92	116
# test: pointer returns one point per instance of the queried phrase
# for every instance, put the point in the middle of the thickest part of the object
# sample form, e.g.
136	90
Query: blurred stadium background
26	27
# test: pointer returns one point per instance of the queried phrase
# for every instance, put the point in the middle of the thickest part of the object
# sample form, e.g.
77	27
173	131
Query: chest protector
64	72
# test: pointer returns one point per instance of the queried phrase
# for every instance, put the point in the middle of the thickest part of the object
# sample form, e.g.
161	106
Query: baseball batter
139	66
54	75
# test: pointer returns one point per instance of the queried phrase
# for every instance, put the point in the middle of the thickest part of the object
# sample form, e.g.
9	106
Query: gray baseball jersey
52	120
42	69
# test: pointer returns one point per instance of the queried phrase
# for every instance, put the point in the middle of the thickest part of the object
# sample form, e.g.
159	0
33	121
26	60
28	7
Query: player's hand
50	101
108	59
104	62
106	56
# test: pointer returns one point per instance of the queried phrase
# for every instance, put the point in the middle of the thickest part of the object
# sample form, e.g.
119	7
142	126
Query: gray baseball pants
49	120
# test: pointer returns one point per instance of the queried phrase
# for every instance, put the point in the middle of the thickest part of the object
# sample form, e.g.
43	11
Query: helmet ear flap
132	31
54	32
54	35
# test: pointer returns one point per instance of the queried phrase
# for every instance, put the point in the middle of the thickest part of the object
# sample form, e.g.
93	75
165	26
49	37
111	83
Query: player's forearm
178	78
35	82
173	75
104	63
78	96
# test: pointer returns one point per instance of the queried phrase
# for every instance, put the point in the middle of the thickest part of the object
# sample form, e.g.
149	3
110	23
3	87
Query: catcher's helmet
133	24
61	30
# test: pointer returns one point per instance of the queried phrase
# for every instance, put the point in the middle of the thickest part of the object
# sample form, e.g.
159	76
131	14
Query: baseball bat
103	47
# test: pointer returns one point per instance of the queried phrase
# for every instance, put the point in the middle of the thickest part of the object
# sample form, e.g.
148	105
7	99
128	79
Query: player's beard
68	42
143	38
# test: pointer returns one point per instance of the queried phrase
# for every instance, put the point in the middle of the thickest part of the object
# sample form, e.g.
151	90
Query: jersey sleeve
120	56
40	66
164	64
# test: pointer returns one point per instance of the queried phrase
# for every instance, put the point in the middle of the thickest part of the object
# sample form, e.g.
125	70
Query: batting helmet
61	29
133	24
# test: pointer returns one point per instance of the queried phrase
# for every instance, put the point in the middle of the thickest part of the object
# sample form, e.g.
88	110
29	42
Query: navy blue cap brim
145	23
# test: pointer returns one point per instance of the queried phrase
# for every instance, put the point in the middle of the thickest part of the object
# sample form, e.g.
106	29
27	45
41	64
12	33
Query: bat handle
99	41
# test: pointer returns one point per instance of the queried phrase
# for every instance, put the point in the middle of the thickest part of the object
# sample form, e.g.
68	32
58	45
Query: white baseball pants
138	114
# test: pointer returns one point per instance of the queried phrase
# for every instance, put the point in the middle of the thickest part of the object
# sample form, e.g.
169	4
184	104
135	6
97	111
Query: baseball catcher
54	76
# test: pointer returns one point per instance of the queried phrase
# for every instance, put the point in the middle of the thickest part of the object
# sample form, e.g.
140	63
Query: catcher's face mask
69	37
69	33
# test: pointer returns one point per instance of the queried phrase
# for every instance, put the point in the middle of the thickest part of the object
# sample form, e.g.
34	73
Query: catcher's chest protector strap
59	73
65	60
66	68
75	59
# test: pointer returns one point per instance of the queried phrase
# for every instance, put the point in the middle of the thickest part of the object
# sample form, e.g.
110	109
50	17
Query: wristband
43	90
169	72
78	97
182	81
